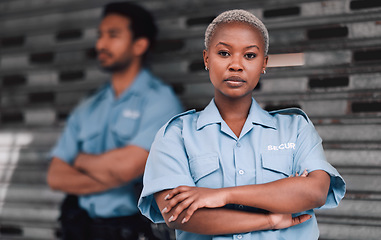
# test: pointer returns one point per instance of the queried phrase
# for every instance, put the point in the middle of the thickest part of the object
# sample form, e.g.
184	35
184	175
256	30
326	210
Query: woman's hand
189	199
304	174
280	221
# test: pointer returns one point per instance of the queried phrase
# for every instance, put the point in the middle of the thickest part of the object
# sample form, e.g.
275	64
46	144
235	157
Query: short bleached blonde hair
239	16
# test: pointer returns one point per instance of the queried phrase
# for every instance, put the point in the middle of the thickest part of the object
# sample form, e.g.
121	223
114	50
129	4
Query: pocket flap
278	162
203	165
89	132
125	127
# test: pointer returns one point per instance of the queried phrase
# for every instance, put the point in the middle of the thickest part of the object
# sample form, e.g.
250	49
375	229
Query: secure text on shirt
127	113
281	146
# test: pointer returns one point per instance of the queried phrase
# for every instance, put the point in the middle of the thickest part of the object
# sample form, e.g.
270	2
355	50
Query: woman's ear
140	46
206	58
265	61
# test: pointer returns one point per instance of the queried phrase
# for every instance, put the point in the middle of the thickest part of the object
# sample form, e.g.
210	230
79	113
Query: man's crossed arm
95	173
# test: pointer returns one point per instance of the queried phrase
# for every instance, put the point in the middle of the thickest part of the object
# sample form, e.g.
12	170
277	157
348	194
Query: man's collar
138	86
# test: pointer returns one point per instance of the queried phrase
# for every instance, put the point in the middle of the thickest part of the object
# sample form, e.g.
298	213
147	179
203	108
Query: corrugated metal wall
47	64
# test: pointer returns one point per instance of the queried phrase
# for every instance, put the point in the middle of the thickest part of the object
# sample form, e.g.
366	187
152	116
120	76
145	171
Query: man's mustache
104	51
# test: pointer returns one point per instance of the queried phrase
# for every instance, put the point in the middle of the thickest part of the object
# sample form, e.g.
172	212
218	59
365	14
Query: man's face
115	43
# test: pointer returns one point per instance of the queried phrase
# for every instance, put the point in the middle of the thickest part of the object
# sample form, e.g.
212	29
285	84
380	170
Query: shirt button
238	144
239	236
241	172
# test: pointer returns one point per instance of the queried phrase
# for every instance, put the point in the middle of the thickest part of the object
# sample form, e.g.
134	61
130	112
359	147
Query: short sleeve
310	155
156	113
167	168
67	147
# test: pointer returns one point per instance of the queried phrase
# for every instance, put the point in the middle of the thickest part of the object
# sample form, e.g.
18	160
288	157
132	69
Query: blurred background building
325	58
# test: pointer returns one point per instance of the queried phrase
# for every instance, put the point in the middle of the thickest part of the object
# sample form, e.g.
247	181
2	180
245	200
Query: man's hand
115	167
93	166
64	177
81	157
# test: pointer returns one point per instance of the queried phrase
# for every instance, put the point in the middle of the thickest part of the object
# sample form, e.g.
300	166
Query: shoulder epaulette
177	116
290	111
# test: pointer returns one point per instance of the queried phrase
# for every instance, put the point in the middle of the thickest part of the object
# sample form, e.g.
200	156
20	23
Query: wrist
270	221
80	160
77	162
226	195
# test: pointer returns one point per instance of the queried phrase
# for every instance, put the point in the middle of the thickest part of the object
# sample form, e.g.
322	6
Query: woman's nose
236	64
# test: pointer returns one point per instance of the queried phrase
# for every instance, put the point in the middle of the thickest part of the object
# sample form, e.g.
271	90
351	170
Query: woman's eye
223	53
250	55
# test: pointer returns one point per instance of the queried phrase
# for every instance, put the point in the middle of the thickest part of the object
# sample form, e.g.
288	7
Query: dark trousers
77	225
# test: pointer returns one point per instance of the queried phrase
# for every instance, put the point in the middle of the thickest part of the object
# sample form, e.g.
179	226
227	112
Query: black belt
119	228
77	225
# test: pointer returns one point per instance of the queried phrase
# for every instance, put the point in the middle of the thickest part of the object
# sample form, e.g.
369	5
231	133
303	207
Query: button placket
241	172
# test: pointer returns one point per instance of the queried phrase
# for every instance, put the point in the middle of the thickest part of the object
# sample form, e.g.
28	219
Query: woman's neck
234	111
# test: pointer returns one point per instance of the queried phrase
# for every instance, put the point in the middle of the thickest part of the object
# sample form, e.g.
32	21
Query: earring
264	71
206	68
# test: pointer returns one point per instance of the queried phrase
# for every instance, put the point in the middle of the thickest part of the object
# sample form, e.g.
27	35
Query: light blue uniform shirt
199	149
103	122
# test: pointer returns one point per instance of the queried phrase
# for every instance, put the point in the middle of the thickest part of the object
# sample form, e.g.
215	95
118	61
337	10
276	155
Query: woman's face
235	59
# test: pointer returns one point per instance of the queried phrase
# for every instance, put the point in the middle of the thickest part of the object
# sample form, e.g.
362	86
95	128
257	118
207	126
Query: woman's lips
234	81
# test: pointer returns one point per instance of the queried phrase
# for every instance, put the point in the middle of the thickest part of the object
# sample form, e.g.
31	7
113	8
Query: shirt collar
257	115
138	86
209	115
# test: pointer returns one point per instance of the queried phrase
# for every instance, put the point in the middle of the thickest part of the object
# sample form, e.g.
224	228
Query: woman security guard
224	172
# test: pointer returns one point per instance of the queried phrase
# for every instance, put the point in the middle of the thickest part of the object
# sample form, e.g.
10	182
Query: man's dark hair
142	21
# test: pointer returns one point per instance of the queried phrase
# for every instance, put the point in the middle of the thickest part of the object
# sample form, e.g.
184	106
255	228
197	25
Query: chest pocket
276	166
91	140
204	171
128	118
126	126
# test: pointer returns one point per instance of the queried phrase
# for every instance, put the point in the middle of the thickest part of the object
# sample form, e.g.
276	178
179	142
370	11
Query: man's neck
122	80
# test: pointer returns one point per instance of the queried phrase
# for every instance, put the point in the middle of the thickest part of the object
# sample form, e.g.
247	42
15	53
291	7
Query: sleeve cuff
61	155
337	186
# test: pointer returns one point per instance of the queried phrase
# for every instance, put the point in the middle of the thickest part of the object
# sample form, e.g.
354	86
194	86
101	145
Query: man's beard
118	66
